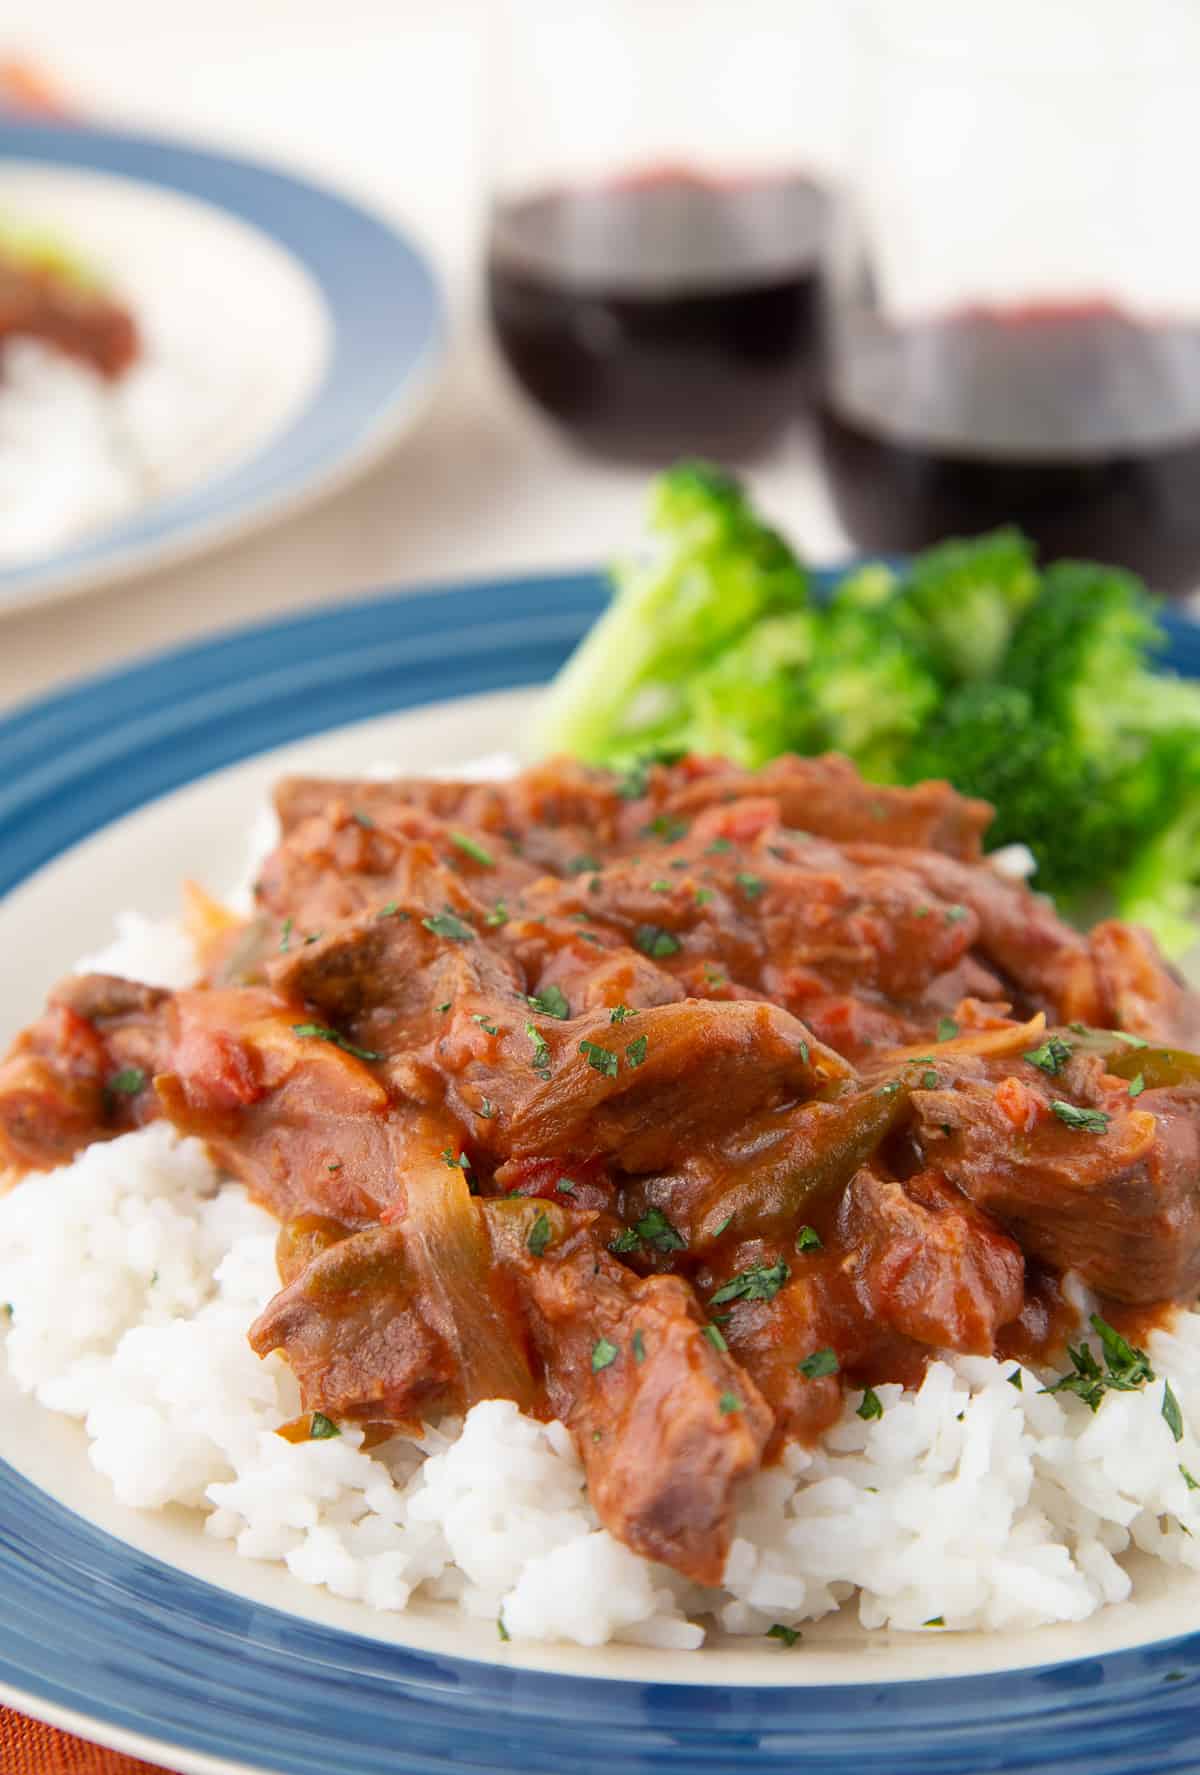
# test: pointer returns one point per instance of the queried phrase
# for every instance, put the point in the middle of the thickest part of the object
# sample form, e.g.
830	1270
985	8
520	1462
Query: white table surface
381	97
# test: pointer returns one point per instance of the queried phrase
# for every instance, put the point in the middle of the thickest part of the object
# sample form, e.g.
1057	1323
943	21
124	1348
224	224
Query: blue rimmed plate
138	1630
300	334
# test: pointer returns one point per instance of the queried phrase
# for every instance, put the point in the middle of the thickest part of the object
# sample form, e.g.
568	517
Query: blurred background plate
310	330
140	1630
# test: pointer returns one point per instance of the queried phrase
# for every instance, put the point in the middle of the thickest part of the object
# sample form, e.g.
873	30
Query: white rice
131	1280
78	451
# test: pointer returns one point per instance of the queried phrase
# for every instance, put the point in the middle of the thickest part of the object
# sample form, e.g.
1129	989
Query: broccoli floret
1161	886
40	249
989	740
1082	651
716	570
868	689
961	601
743	706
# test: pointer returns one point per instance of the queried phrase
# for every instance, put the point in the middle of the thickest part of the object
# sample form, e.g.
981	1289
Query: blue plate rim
387	337
173	1667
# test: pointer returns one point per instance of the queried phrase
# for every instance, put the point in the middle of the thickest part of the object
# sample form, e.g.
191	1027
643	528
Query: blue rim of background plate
130	1644
386	324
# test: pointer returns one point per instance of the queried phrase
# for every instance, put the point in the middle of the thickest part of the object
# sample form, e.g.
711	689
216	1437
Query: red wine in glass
1078	421
663	313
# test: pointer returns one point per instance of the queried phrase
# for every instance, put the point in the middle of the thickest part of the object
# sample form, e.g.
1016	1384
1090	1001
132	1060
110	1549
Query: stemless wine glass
655	218
1013	282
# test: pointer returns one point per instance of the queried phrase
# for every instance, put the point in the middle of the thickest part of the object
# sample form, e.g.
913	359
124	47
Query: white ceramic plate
205	1655
291	337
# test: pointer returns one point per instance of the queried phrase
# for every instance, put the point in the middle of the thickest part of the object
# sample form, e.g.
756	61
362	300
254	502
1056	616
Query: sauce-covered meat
39	301
669	1105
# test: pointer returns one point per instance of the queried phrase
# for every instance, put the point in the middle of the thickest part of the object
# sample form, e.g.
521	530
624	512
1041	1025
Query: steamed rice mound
972	1502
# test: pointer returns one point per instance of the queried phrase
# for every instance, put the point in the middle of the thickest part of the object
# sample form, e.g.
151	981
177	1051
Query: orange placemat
29	1748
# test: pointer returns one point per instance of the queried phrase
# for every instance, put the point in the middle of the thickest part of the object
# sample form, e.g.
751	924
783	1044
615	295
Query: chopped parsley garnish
751	885
935	1621
285	936
715	978
715	1337
1126	1369
1051	1057
485	1023
497	916
619	1013
723	1227
947	1029
313	937
445	1006
653	941
456	1163
1172	1416
760	1282
1088	1121
639	1348
566	1186
487	1109
660	886
729	1402
551	1002
320	1032
322	1428
1192	1483
471	847
631	784
955	914
601	1060
363	820
653	1229
390	910
818	1365
929	1081
1137	1084
501	1629
334	1165
128	1082
718	845
808	1239
541	1053
703	896
604	1354
1015	1379
656	1230
890	1089
669	827
789	1635
582	865
635	1053
539	1234
869	1406
448	925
